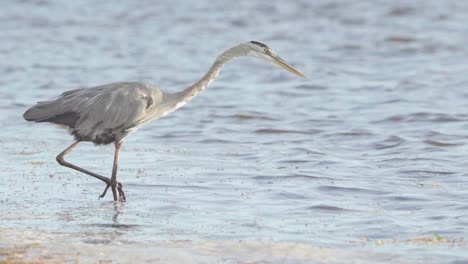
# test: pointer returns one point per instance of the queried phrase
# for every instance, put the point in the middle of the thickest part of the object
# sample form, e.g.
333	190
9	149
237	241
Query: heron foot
119	189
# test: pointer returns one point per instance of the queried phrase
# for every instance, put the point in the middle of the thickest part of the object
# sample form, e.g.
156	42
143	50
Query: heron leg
61	161
113	181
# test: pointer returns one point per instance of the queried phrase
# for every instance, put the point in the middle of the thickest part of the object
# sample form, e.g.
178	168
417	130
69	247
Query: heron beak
280	62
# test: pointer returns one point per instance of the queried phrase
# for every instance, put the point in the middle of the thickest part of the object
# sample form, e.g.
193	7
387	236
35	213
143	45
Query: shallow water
370	147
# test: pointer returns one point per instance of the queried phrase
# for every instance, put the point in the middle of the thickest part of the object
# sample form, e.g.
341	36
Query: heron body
103	114
108	113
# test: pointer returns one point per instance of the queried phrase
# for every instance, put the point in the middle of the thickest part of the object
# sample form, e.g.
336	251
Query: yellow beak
280	62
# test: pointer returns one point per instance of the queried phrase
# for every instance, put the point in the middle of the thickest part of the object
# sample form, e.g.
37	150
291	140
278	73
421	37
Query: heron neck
189	93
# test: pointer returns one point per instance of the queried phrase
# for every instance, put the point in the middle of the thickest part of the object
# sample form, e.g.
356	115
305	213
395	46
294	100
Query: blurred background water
371	146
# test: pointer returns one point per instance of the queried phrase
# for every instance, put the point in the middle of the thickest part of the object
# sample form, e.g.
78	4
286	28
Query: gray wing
91	112
55	110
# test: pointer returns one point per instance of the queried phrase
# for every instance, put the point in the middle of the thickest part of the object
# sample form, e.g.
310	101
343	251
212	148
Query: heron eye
267	51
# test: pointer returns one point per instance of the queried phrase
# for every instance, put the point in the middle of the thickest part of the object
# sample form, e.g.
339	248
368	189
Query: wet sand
33	246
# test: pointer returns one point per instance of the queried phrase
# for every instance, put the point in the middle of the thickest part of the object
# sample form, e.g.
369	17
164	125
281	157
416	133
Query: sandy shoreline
40	247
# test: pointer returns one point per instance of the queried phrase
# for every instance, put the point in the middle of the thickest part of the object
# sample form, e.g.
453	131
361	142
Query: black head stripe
263	45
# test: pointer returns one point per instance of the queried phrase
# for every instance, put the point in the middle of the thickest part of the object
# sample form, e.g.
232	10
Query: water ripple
350	190
328	208
378	127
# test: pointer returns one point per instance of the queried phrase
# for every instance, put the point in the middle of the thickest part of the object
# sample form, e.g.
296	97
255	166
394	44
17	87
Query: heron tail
53	112
41	110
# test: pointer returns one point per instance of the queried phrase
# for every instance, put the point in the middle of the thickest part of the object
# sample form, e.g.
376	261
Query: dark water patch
294	161
399	198
309	177
345	47
184	134
389	142
326	121
402	10
409	207
327	163
87	39
407	160
281	131
444	136
289	195
277	141
98	241
328	208
269	179
425	117
292	93
247	116
56	67
437	217
242	155
400	39
252	225
13	69
19	105
350	190
425	173
393	101
308	151
239	23
313	87
301	177
355	133
216	141
461	208
440	144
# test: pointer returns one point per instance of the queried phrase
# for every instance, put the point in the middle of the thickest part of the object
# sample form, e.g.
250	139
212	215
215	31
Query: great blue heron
108	113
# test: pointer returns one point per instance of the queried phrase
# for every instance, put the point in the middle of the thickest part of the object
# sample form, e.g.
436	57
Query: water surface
370	147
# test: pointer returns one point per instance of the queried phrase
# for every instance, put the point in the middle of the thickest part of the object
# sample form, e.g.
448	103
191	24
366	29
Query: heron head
262	51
